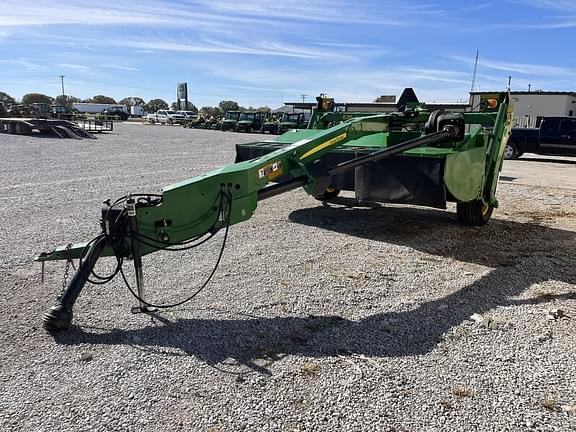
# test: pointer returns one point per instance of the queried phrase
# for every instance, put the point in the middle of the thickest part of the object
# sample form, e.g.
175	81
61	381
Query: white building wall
528	107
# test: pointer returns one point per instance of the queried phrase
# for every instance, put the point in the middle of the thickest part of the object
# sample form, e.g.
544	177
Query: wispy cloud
198	13
260	50
24	63
552	5
552	14
73	66
475	8
121	68
303	10
213	46
523	68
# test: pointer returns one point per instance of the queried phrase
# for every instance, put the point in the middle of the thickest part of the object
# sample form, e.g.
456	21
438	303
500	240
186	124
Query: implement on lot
44	126
410	156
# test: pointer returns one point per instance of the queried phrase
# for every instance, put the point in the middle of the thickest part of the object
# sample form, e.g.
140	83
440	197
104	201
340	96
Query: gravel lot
327	318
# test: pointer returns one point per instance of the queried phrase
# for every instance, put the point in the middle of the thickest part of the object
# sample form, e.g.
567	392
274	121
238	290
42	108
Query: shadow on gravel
256	342
556	161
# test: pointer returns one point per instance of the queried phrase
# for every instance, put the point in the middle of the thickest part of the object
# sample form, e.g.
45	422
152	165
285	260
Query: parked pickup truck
554	136
165	117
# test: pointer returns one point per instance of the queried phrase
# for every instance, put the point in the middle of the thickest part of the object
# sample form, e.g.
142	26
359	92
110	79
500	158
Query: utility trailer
98	126
410	156
43	126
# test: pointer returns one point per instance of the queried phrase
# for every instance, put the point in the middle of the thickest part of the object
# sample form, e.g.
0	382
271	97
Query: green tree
66	101
210	111
155	105
228	106
132	101
7	100
189	107
101	99
31	98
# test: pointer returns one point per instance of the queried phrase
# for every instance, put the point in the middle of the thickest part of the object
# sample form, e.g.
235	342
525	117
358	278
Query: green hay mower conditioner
411	156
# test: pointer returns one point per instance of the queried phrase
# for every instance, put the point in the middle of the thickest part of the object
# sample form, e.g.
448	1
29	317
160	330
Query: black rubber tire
473	213
328	194
510	151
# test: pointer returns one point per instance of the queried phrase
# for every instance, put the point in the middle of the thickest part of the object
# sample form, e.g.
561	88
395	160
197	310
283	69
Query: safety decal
271	171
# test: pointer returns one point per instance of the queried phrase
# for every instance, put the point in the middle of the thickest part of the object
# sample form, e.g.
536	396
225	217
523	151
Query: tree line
152	105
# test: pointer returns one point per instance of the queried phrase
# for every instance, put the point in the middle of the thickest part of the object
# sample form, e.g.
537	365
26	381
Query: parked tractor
292	121
229	120
250	121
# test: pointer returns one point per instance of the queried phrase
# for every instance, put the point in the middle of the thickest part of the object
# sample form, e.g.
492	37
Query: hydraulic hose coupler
132	221
131	207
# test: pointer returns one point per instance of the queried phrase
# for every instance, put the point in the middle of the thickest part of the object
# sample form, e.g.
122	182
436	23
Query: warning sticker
271	171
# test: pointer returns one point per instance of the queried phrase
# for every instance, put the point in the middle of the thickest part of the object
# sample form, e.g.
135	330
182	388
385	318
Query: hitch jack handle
59	316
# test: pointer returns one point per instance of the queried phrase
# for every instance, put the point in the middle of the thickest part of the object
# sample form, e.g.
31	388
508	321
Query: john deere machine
410	156
293	121
229	120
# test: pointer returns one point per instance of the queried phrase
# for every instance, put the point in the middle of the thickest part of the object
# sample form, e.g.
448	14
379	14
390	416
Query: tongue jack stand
59	316
137	257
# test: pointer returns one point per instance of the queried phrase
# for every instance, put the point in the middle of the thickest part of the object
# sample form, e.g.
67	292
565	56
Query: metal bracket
137	257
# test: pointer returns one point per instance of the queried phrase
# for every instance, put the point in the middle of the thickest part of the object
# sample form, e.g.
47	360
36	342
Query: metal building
529	107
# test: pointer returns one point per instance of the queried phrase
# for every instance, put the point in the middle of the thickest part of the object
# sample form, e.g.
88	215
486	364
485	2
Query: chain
66	270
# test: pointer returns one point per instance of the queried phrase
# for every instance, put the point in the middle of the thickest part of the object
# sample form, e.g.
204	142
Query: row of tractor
251	122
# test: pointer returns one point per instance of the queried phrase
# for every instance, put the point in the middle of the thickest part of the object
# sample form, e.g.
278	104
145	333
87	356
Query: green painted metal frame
192	205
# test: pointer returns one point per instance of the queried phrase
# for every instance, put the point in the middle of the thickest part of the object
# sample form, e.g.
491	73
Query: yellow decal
271	171
322	146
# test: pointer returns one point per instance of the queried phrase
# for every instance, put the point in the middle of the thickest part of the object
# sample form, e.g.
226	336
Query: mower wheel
328	194
473	213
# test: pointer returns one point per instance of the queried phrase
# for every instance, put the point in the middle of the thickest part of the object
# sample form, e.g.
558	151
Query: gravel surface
340	317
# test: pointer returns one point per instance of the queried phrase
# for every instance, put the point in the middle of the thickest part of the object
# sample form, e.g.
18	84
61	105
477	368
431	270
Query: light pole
62	79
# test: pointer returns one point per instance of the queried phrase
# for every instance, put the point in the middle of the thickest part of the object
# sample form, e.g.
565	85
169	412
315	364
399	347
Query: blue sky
263	52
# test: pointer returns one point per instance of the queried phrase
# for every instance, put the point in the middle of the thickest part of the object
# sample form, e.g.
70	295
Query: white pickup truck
165	117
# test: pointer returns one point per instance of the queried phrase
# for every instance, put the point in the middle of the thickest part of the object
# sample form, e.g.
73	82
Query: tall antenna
475	70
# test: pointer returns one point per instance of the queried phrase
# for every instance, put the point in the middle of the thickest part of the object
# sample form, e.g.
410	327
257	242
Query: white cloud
304	10
199	13
220	47
121	67
24	63
522	68
554	5
73	66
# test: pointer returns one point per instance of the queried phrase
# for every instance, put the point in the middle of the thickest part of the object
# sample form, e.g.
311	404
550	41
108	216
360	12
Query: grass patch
549	403
462	392
310	369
